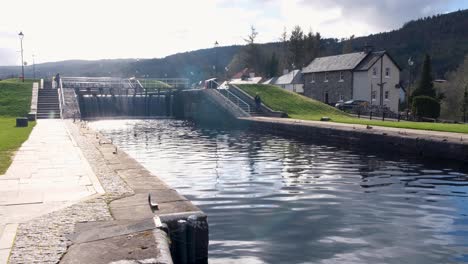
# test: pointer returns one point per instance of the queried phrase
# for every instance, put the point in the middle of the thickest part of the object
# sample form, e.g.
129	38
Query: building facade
369	76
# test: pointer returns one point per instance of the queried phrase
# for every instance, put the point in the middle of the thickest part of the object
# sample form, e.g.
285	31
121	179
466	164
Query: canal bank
134	219
410	142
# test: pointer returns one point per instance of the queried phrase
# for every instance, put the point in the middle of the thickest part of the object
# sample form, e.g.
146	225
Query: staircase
48	104
249	109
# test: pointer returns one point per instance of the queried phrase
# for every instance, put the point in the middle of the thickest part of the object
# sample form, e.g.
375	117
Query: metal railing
234	98
61	97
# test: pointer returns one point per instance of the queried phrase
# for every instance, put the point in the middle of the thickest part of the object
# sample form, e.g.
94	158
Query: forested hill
444	37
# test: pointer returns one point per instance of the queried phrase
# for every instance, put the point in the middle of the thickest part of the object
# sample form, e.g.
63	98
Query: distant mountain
444	37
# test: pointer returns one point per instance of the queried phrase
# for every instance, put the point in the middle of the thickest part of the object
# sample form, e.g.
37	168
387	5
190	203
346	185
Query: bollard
180	242
399	117
197	235
383	116
21	122
370	115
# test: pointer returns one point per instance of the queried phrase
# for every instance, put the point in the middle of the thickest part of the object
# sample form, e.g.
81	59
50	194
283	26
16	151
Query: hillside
442	36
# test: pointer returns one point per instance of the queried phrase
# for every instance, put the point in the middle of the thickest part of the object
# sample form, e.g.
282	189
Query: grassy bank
301	107
15	100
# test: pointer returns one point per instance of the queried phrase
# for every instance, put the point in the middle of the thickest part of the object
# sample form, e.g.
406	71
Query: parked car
351	104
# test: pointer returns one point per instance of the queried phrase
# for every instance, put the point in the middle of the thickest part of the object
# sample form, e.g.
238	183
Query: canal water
274	199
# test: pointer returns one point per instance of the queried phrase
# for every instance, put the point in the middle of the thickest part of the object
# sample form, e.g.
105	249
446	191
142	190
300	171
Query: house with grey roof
291	81
369	76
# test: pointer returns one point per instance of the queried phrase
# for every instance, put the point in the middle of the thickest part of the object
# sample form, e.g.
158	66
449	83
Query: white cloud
92	29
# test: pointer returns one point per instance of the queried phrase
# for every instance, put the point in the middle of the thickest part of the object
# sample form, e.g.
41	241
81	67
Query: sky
56	30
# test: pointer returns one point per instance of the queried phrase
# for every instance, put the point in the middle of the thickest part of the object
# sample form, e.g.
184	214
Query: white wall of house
361	86
364	83
297	88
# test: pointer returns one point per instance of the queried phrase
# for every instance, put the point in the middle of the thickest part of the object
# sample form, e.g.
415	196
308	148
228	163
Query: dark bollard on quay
188	233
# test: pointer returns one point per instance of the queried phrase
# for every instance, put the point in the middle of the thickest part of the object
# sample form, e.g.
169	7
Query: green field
301	107
15	100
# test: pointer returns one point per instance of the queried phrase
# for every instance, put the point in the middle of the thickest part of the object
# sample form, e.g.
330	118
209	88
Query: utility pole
21	36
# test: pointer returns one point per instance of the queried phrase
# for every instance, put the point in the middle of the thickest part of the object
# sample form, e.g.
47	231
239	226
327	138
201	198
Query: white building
369	76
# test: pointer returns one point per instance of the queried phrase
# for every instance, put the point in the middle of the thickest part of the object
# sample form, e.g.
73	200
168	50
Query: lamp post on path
21	36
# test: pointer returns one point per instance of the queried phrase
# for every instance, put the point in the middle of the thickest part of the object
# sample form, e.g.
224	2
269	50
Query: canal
275	199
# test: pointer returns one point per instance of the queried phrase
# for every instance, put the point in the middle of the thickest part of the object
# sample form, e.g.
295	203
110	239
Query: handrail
235	96
61	98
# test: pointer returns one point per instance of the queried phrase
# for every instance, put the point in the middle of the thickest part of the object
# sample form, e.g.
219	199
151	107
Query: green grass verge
15	97
11	138
15	101
301	107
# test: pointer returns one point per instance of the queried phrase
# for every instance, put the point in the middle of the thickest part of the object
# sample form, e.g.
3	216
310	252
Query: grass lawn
301	107
15	100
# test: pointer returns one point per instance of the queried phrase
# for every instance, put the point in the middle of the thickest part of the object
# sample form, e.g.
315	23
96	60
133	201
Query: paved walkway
48	173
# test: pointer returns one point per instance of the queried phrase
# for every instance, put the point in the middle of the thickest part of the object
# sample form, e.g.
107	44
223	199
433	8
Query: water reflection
272	199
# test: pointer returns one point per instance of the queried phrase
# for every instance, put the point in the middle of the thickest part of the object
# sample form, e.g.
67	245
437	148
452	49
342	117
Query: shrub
425	106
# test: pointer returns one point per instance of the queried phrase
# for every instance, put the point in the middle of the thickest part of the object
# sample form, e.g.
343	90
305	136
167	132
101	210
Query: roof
358	61
370	60
335	63
293	77
270	81
253	80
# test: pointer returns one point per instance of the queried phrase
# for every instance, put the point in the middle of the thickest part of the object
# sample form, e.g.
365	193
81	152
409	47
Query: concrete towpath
48	173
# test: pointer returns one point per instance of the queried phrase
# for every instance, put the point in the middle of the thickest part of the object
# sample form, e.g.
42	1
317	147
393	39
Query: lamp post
34	68
294	85
21	36
216	45
408	93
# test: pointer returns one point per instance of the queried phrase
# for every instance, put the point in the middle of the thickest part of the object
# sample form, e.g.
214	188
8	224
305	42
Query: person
258	101
57	80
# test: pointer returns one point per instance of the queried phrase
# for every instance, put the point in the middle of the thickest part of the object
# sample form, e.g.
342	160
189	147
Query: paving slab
48	173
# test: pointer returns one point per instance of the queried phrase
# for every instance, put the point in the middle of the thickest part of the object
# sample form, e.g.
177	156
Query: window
387	72
374	95
386	95
326	77
313	78
374	72
341	97
341	77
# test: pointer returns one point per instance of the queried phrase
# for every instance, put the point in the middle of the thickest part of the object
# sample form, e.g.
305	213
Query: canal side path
71	196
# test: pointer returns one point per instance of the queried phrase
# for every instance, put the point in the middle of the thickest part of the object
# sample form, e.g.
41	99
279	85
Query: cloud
383	14
91	29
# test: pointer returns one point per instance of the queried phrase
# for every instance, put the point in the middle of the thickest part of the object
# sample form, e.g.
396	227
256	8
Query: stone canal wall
421	143
139	218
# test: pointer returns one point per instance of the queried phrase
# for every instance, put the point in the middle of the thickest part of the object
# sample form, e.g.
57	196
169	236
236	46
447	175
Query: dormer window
387	72
341	77
326	77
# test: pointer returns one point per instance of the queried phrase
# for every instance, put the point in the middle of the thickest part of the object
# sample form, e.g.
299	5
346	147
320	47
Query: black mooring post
399	117
370	115
383	116
180	241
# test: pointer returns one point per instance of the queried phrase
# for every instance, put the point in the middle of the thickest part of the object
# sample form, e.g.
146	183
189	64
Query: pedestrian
258	101
57	80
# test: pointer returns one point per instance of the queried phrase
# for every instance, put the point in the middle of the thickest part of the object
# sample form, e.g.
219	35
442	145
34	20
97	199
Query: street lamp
216	45
408	92
21	36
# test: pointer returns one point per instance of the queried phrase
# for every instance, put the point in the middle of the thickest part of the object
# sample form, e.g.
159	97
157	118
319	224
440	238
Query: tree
296	46
312	46
426	84
454	106
348	45
272	66
424	101
252	52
